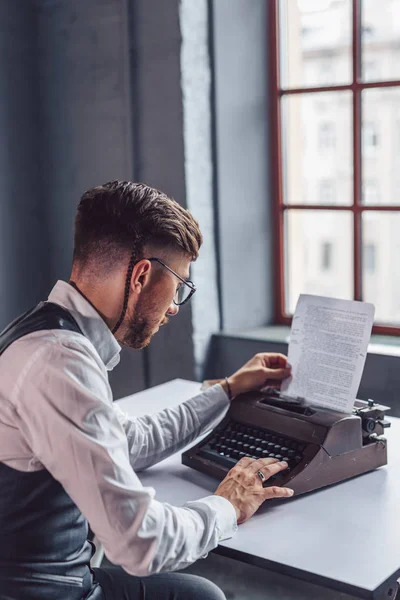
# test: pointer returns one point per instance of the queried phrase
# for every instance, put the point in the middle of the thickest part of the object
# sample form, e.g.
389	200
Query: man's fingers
277	373
274	360
245	461
274	469
268	466
259	464
277	492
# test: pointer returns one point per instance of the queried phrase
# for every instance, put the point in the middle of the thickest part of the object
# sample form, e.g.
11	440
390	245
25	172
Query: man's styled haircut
121	217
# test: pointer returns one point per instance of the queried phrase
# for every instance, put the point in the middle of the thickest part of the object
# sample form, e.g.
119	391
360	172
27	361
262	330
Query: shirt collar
89	321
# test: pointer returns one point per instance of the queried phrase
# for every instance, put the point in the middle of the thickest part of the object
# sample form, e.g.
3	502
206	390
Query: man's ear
140	275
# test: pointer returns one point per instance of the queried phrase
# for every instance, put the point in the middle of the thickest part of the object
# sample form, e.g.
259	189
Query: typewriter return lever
373	420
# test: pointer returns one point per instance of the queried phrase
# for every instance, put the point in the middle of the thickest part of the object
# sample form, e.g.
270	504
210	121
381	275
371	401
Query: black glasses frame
187	282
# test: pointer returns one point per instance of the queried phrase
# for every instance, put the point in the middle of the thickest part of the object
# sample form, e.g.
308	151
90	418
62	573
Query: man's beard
140	328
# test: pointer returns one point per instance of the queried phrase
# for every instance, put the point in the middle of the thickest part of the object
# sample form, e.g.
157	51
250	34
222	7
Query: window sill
379	344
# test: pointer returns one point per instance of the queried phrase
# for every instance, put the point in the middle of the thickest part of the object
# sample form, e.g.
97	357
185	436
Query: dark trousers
119	585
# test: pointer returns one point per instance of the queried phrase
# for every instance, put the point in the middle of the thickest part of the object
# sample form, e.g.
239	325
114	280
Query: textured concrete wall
87	124
243	169
24	252
159	152
84	75
196	91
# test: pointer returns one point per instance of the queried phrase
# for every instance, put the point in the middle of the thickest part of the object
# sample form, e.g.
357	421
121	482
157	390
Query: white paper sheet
327	350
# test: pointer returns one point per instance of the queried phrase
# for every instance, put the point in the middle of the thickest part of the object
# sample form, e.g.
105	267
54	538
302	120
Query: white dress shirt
57	413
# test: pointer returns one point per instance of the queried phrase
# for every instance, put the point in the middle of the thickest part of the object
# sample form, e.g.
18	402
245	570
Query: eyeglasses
186	289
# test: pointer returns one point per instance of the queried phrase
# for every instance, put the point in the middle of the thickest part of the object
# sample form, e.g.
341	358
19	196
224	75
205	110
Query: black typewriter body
321	446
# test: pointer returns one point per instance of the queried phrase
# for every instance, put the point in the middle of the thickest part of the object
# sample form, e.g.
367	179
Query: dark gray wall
89	91
24	255
85	101
157	102
86	110
240	60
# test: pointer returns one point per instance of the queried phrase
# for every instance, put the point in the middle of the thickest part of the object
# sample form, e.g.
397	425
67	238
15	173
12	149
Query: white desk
346	537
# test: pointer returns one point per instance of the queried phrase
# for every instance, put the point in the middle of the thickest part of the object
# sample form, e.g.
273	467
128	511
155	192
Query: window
370	192
326	256
326	191
369	137
326	75
325	55
370	70
326	135
370	258
368	32
396	145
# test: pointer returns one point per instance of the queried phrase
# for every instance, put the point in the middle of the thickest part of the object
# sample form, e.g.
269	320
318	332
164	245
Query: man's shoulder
39	351
47	342
53	368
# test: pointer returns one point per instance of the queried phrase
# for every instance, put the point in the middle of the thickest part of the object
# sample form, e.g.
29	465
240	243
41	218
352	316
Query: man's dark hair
122	217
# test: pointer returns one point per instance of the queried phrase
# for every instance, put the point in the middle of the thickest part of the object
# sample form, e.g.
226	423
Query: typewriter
321	446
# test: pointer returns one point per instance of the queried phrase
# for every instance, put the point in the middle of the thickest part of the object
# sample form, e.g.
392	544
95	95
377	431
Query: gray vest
44	551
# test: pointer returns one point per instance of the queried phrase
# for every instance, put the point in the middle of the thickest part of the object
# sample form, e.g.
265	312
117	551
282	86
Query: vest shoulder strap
46	315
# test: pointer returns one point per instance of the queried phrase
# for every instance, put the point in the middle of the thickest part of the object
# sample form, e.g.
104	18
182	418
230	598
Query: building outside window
327	191
326	136
370	258
370	191
326	74
369	137
326	256
370	70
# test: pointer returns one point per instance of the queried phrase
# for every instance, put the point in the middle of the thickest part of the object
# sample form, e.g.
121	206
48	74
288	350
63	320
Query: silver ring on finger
261	476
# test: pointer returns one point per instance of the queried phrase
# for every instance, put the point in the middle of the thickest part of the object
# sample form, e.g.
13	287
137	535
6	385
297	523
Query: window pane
317	143
380	34
381	273
381	146
315	41
318	254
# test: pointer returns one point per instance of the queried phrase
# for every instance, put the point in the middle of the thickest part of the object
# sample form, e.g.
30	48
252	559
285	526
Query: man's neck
98	298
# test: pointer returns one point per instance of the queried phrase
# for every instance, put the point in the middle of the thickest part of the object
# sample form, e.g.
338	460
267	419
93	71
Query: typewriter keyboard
232	441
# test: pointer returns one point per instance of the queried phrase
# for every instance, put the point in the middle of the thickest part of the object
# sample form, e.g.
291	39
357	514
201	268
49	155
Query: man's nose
172	310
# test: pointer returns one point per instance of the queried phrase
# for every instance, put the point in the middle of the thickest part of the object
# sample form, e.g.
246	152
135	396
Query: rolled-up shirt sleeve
64	407
155	437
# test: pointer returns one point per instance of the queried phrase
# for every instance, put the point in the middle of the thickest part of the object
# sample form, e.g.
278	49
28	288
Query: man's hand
263	369
243	487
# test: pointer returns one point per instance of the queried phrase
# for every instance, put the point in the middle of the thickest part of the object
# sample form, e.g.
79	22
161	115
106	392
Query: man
67	454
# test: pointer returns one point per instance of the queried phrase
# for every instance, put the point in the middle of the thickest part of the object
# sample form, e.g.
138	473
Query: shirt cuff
218	395
226	519
221	390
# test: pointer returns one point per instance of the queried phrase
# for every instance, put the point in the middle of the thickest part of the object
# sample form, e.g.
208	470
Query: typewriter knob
369	425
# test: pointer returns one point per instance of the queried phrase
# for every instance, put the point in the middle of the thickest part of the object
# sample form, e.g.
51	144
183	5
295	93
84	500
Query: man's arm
65	413
154	437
